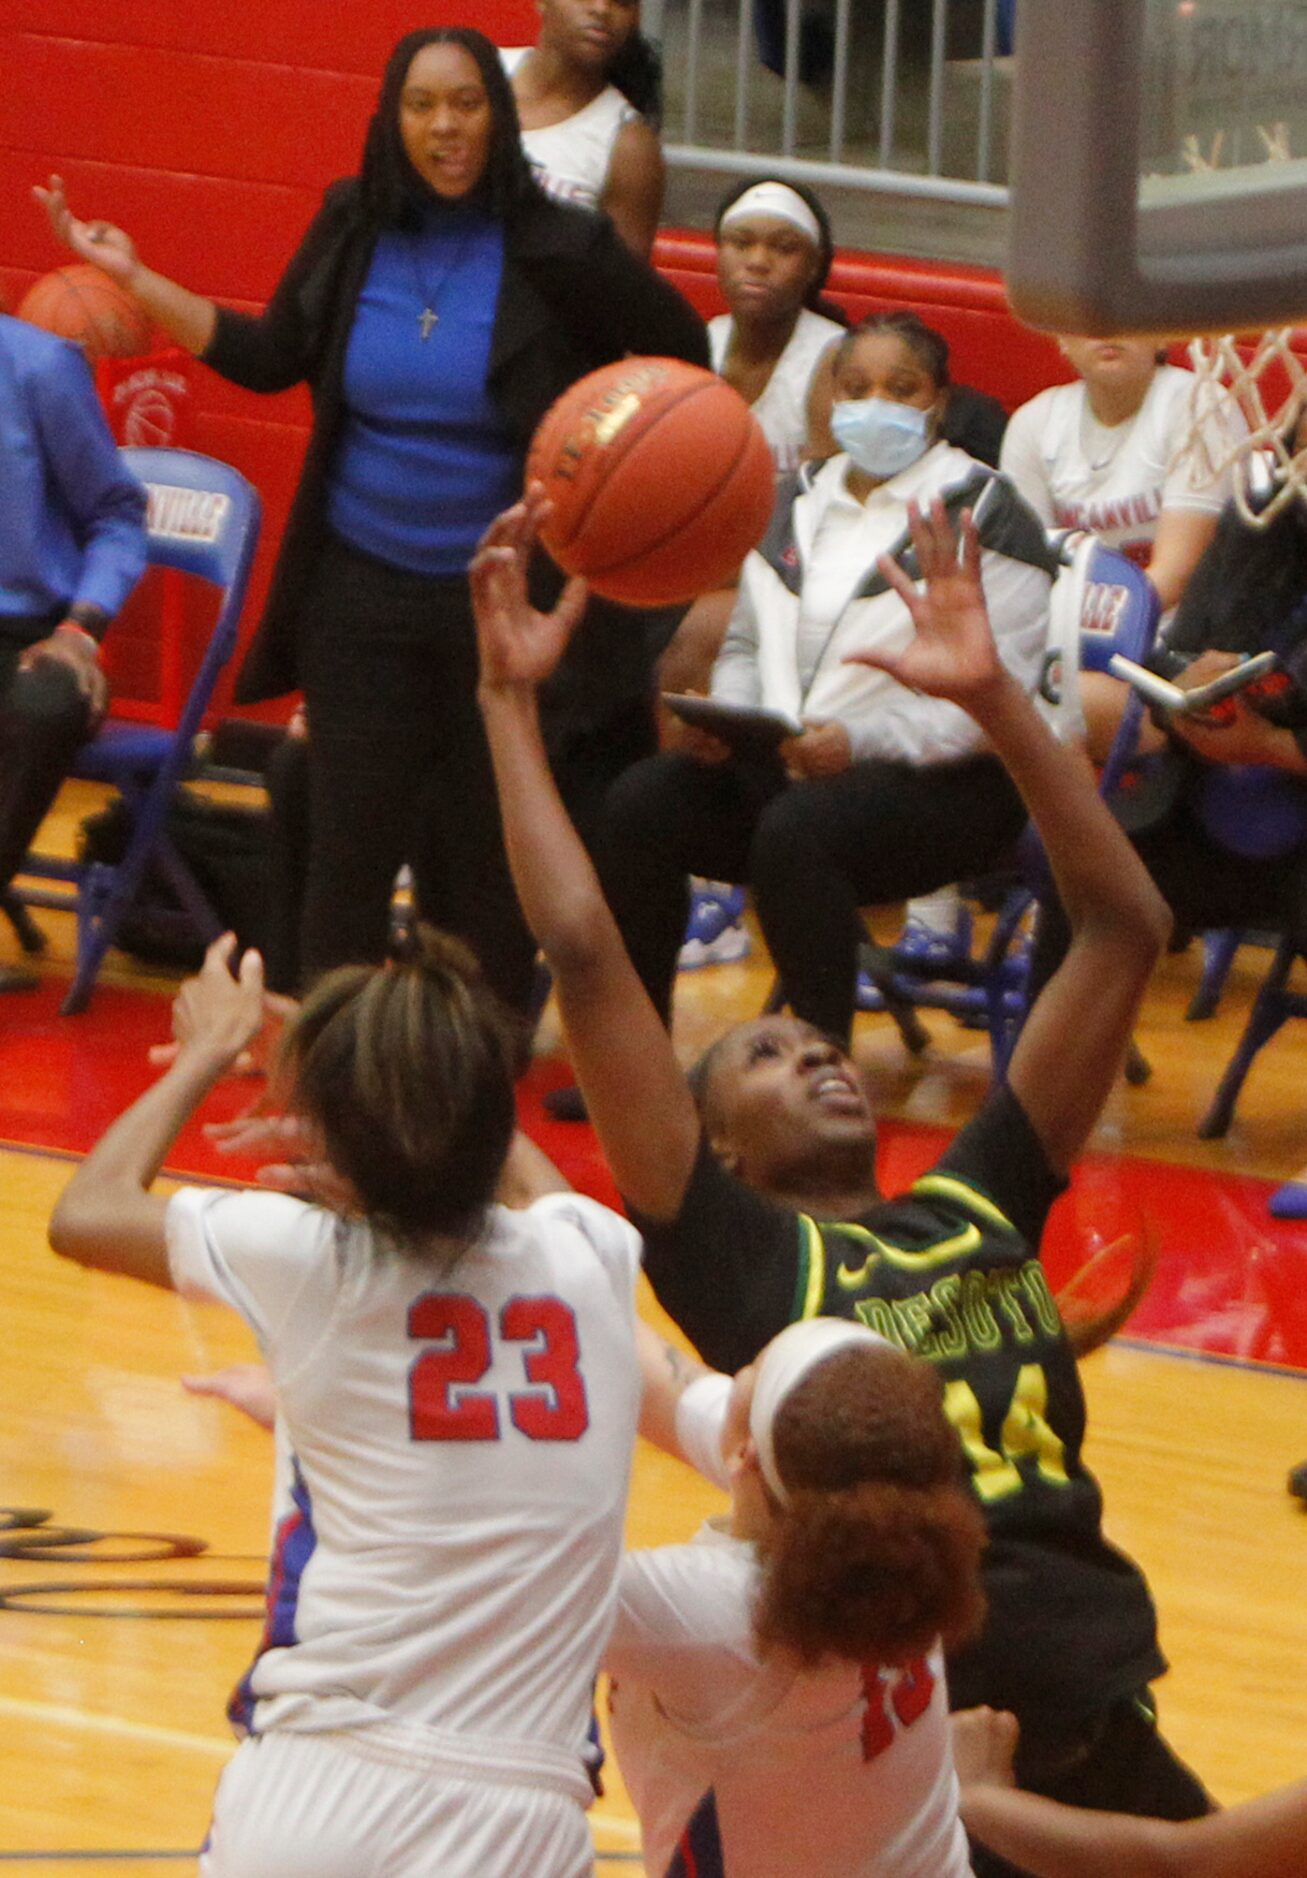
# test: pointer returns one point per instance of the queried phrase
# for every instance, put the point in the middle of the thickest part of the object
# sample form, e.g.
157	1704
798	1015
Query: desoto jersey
737	1763
454	1446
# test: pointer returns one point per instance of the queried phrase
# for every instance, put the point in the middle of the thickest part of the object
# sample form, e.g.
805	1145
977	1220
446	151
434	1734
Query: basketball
660	477
82	303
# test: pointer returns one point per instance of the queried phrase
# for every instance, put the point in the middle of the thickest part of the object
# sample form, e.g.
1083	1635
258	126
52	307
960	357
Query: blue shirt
72	521
425	461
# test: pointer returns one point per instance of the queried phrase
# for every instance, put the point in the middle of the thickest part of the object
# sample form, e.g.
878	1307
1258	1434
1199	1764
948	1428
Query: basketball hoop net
1268	381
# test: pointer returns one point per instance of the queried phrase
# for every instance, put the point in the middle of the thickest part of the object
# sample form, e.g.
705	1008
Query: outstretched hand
216	1012
953	654
518	644
100	243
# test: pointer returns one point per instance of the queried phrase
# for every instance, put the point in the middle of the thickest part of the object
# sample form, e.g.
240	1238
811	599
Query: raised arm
1264	1838
624	1061
1076	1034
106	1216
185	316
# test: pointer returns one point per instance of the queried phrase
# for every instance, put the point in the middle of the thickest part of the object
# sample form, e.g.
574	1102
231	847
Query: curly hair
394	195
877	1552
406	1071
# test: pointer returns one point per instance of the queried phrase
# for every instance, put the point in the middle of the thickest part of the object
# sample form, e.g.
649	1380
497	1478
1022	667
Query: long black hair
393	193
637	72
815	299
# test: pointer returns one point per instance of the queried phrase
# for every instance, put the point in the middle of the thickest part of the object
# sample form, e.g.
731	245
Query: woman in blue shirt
437	306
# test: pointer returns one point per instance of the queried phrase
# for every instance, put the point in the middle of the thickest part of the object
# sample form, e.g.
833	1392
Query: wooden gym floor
113	1678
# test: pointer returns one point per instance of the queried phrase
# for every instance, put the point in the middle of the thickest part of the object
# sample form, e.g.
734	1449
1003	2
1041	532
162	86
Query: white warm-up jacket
811	593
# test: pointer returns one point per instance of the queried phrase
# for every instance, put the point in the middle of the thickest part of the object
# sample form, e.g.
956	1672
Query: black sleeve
726	1269
999	1153
273	350
616	303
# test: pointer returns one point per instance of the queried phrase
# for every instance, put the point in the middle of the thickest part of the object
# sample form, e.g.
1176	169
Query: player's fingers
572	603
218	954
888	568
251	972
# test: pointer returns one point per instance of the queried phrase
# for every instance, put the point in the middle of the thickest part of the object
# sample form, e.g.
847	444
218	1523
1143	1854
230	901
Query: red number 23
444	1404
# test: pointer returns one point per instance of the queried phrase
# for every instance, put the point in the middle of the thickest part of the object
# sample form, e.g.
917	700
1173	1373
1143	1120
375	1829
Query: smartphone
1169	697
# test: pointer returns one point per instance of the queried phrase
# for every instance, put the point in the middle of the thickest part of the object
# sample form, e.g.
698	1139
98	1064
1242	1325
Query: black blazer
572	298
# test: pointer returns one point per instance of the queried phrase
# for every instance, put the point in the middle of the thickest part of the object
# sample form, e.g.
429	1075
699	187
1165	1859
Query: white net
1267	380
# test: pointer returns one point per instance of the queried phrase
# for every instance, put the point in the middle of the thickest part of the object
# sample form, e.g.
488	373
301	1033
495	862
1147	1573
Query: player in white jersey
589	97
458	1396
777	1686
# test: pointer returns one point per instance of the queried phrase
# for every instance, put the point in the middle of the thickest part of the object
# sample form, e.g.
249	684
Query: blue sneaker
715	933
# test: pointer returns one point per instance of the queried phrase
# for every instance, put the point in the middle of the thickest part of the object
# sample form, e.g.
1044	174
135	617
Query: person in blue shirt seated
72	547
437	307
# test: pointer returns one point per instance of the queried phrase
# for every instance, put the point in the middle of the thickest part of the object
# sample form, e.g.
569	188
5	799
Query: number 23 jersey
454	1444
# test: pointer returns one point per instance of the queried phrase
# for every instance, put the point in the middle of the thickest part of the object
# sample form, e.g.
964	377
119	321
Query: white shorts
319	1806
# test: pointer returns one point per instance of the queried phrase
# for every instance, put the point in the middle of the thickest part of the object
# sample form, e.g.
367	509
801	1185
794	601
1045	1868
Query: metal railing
869	95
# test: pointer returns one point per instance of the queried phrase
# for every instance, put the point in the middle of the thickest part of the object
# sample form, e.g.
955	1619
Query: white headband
775	199
787	1359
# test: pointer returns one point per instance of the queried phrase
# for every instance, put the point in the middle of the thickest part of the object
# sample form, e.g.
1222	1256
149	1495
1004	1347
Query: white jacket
759	662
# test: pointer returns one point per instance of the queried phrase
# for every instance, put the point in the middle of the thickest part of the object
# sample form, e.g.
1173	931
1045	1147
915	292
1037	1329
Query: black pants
43	721
1127	1767
813	852
1204	885
399	770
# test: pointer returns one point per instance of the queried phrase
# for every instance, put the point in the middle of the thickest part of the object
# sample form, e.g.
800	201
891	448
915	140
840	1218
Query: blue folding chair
1102	605
202	520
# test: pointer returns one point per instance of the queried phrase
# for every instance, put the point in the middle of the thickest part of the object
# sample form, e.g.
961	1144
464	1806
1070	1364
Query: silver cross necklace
429	290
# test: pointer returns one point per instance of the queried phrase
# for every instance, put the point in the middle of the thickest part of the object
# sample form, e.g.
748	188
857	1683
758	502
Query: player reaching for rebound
458	1396
759	1201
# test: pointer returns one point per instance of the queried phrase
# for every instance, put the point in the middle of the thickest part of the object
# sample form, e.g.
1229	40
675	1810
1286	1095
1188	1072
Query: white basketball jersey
455	1446
570	159
739	1764
1114	481
782	408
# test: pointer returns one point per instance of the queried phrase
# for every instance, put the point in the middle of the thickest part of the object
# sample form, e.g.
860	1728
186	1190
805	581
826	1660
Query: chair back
202	518
1102	604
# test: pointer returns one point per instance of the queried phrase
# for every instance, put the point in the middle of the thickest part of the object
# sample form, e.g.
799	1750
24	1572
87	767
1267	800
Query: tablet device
750	730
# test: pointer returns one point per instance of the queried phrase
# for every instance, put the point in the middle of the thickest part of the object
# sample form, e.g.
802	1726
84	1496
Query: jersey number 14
444	1403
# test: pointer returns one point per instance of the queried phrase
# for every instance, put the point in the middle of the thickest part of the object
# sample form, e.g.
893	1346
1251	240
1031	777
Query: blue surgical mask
882	438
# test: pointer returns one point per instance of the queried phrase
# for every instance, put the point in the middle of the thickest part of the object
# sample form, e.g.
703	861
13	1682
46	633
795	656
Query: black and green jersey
949	1271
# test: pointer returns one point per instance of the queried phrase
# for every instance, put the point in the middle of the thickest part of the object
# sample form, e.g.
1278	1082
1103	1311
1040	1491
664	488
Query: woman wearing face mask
437	306
885	794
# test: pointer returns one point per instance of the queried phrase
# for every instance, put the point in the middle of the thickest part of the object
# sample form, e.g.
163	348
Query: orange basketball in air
81	303
660	477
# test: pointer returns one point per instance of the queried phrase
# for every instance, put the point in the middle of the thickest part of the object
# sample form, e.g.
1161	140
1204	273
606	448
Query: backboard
1159	165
